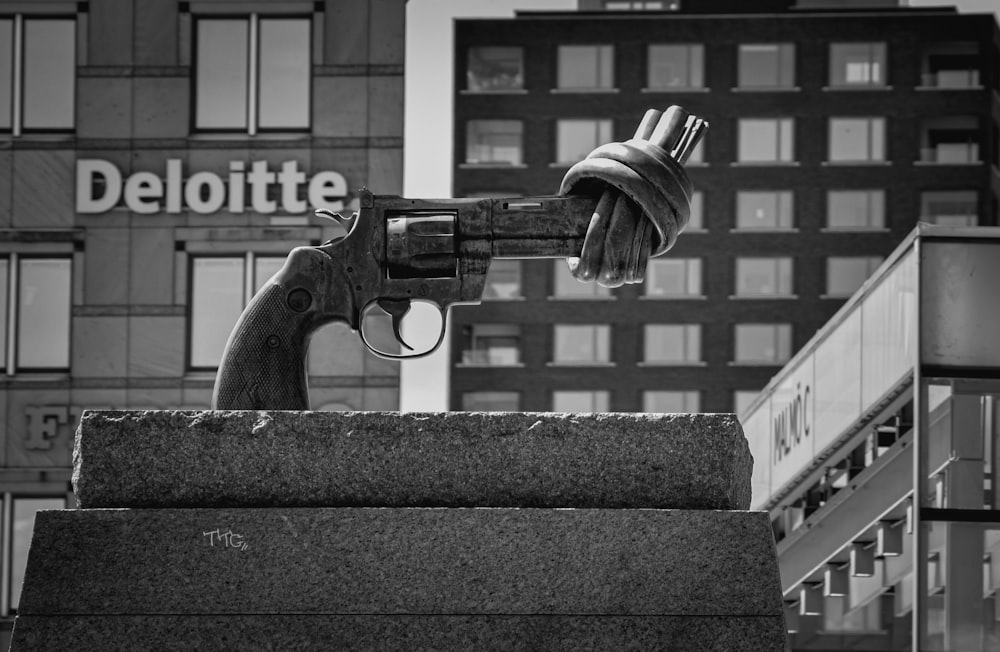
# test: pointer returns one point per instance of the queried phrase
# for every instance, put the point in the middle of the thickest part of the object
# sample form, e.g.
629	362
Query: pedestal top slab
388	459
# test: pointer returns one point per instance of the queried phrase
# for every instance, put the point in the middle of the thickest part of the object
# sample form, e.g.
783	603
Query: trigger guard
403	356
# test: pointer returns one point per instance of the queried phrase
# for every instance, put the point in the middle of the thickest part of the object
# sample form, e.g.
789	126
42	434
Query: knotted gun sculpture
622	204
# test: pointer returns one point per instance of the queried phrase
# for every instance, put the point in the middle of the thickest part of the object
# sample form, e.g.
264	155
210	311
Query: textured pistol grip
263	366
648	175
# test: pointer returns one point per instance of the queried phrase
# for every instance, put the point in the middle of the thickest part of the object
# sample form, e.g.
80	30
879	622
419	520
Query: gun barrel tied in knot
645	197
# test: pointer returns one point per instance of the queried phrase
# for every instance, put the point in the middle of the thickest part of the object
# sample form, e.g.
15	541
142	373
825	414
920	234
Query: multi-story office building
875	452
835	128
158	160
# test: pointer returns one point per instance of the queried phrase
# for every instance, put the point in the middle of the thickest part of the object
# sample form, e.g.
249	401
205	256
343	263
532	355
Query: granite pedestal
321	531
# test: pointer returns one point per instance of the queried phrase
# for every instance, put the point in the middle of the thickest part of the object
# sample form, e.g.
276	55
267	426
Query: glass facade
673	278
668	344
581	344
766	140
764	209
764	277
766	65
495	69
763	343
493	142
575	139
855	210
857	65
503	280
857	139
667	401
586	67
677	66
252	74
581	401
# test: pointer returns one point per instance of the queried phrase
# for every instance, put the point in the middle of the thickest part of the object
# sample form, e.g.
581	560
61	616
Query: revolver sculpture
622	204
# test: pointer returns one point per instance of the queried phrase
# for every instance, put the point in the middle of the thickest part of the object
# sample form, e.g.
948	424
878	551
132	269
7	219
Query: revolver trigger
397	309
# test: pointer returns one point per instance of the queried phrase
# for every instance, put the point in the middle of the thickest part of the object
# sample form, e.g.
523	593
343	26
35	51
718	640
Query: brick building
835	128
158	160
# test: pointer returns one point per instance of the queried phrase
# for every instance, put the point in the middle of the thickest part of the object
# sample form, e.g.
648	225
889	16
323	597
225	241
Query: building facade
158	160
835	127
875	451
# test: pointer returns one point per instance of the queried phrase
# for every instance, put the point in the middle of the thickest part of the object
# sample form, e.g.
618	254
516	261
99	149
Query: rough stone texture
406	578
402	561
501	633
382	459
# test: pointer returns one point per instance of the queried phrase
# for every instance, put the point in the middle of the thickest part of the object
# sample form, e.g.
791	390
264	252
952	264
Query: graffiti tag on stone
227	539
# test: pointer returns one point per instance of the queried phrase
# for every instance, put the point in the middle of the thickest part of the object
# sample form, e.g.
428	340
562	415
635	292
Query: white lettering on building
206	192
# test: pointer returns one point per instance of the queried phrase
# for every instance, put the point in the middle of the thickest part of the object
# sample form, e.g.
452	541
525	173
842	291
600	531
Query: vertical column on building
963	542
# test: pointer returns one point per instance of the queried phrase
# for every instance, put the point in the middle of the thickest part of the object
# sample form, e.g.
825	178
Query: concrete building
875	453
835	127
158	160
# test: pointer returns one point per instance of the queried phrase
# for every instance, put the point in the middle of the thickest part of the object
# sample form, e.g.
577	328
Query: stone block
43	185
110	32
346	30
106	267
162	106
349	94
385	169
156	26
402	561
99	347
385	459
151	277
104	107
406	632
156	346
386	92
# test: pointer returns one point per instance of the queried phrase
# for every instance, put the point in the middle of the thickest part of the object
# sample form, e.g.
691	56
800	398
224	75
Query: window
671	401
575	139
642	5
493	142
582	344
767	65
857	65
22	526
764	209
764	277
696	221
855	210
766	140
495	69
220	288
950	207
567	287
769	344
673	278
581	401
672	343
950	140
586	67
676	66
742	400
951	65
844	275
252	74
35	294
503	280
857	139
491	402
37	74
491	344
